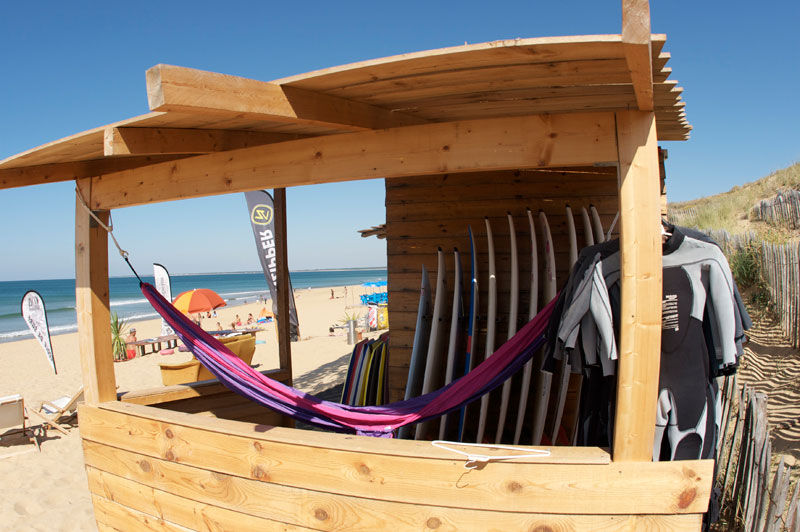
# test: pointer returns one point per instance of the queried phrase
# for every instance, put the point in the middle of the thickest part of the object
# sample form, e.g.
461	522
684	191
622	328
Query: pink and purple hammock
379	421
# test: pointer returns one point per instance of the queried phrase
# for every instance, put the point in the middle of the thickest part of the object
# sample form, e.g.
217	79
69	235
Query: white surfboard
433	363
513	309
491	318
472	328
454	346
544	379
599	235
549	260
416	366
573	238
532	310
588	235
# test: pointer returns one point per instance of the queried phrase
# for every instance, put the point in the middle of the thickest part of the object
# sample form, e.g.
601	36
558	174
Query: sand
48	490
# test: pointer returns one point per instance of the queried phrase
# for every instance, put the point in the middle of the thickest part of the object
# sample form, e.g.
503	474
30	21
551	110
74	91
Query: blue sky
72	67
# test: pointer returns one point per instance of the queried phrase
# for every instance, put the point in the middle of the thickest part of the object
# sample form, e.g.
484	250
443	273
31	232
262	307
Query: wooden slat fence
682	216
783	209
780	267
755	495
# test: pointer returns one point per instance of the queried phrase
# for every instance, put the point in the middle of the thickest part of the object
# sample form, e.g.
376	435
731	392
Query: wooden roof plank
154	140
172	88
497	78
469	56
638	49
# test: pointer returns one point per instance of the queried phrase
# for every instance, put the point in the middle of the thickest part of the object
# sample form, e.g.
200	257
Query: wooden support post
92	303
638	50
640	247
284	337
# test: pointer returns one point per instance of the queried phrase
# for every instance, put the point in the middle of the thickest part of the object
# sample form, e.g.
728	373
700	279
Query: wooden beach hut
457	134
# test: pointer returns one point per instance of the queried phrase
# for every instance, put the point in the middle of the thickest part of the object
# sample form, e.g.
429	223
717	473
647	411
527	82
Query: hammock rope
379	421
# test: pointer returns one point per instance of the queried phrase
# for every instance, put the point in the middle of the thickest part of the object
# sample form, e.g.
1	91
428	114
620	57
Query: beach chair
61	410
12	414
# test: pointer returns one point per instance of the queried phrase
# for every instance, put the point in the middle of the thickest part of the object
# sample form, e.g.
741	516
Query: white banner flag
34	314
164	287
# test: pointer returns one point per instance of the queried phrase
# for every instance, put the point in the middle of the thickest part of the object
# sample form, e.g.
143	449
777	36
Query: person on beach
233	325
238	321
250	319
331	293
129	340
219	326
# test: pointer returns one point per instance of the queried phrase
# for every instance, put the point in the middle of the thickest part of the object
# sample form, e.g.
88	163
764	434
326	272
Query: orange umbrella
198	300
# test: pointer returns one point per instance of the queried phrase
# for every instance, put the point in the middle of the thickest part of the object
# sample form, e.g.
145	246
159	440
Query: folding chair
12	414
61	410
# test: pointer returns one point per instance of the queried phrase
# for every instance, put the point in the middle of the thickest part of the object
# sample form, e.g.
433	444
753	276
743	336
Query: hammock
379	421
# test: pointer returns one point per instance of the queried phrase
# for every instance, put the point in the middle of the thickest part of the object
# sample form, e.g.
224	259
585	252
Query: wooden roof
195	112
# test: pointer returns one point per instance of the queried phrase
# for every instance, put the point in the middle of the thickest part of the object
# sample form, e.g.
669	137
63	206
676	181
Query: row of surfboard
366	380
436	360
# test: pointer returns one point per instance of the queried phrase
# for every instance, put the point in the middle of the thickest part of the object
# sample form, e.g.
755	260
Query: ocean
127	300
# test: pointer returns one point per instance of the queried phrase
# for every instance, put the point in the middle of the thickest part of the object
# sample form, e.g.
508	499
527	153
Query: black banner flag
262	219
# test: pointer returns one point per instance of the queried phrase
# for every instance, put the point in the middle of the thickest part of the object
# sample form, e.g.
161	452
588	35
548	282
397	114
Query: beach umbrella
198	300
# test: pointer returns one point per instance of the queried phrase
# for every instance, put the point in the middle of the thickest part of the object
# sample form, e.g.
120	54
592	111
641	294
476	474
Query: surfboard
472	328
433	362
513	309
549	288
544	379
588	236
573	238
491	318
420	346
532	310
599	235
351	371
363	377
454	346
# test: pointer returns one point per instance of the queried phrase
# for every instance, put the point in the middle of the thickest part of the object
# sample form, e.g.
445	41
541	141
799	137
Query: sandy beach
47	490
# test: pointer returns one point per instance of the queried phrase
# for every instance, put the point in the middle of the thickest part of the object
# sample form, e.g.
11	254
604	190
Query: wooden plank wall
184	472
427	212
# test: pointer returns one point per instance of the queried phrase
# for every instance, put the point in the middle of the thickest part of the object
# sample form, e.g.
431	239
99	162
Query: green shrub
745	266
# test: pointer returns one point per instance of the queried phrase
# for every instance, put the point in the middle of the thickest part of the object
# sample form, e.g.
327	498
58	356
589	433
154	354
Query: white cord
613	223
474	459
109	228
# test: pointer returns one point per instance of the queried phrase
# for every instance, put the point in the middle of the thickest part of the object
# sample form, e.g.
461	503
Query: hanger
665	234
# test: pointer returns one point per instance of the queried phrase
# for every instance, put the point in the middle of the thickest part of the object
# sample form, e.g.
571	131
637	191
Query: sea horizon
237	288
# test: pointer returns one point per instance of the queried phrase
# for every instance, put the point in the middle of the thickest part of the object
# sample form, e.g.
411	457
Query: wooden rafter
56	172
172	88
155	140
638	50
570	139
377	230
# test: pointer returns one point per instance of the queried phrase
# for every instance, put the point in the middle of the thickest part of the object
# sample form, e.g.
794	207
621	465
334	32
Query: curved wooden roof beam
173	88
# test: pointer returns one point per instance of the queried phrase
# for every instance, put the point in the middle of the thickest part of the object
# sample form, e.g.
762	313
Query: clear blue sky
68	67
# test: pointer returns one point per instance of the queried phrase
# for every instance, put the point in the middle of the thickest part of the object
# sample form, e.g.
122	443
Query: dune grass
731	210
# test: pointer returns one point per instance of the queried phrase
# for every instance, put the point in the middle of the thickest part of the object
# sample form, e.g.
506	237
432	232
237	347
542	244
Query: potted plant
118	345
350	321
